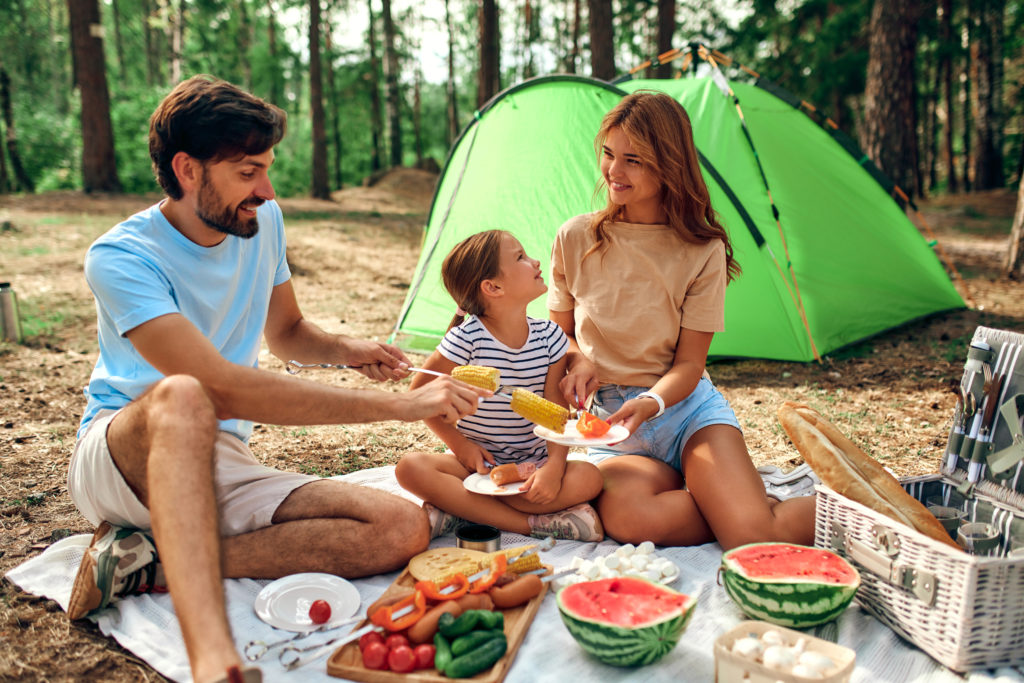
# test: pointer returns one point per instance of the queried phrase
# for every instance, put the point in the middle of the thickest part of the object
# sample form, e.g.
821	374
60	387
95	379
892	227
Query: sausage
475	601
423	630
510	472
388	599
518	592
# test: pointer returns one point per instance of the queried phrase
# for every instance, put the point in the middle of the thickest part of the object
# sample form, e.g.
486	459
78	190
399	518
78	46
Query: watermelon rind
794	602
626	647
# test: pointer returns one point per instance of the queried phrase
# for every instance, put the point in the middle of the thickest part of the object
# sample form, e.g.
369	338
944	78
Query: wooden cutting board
347	661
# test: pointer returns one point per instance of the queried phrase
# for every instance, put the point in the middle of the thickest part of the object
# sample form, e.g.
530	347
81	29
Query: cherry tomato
402	659
320	611
376	656
371	637
424	656
395	640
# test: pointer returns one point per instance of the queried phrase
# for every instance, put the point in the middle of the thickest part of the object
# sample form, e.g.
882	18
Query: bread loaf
851	472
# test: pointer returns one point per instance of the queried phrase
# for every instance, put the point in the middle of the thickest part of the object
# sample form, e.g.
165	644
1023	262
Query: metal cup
478	537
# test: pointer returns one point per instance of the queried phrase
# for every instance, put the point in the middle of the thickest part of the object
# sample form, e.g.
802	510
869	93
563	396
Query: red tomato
402	659
320	611
424	656
371	637
376	656
395	640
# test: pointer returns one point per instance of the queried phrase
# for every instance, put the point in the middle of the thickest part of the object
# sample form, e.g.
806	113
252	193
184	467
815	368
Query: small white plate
571	437
482	483
285	603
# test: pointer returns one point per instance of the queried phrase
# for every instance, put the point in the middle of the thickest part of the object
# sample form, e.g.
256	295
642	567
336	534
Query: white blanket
147	626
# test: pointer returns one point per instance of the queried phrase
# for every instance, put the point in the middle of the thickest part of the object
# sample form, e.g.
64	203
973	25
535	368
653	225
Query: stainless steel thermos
9	313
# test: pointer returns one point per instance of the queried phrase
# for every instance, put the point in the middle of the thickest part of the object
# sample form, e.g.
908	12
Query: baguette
849	471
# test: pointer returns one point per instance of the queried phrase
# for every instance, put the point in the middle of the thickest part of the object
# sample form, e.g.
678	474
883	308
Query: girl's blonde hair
659	130
469	263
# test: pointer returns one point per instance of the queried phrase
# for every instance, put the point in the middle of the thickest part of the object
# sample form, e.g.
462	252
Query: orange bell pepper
384	616
498	567
434	592
590	426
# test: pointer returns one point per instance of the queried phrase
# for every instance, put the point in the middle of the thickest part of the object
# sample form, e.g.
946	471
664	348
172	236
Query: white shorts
248	493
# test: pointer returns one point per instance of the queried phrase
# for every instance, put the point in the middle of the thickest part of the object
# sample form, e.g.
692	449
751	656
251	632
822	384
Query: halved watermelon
625	621
789	585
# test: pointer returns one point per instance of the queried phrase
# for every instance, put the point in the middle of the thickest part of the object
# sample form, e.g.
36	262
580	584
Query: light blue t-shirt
144	268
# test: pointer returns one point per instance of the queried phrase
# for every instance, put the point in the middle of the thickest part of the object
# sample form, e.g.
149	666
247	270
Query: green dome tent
842	255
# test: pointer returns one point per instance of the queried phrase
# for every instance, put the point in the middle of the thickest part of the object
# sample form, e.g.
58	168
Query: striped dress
507	436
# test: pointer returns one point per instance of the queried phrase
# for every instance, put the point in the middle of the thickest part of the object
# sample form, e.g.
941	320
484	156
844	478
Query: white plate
571	437
285	603
481	483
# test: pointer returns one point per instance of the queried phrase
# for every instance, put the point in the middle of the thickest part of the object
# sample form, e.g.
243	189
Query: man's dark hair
210	120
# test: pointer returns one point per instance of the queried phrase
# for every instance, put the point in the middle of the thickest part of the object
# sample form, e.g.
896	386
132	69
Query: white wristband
659	399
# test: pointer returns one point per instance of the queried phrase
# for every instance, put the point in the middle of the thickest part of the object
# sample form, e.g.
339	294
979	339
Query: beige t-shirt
631	300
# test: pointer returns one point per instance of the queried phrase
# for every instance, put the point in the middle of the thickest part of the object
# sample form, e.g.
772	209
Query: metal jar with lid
9	313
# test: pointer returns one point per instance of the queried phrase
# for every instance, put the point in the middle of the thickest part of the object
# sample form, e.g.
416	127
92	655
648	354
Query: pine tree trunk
276	88
152	58
316	105
244	41
1013	268
986	37
118	42
391	85
889	131
574	55
602	47
452	130
417	110
376	122
666	34
5	185
99	169
965	107
176	37
332	99
488	77
946	48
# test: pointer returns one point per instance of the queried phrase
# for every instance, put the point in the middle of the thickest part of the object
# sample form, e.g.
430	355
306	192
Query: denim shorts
663	438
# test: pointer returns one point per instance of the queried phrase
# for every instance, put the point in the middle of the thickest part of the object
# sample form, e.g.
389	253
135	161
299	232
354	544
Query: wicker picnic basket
965	610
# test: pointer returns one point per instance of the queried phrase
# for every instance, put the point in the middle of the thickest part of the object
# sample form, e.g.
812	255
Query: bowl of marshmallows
760	652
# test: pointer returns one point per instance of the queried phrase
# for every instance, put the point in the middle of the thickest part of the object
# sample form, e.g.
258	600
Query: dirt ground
352	260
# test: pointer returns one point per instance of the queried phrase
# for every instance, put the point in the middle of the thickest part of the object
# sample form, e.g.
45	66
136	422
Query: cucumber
471	641
491	620
477	660
463	624
442	652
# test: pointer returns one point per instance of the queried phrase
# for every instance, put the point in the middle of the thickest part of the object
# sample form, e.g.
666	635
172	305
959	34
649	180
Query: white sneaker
442	522
578	523
800	481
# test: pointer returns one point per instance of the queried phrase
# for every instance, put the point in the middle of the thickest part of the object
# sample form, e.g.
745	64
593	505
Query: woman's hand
474	457
634	413
542	486
579	382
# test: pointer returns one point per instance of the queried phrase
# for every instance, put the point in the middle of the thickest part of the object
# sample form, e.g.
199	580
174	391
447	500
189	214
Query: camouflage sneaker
442	522
578	523
118	562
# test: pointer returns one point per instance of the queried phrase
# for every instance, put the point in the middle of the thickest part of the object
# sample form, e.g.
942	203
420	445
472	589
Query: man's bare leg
163	445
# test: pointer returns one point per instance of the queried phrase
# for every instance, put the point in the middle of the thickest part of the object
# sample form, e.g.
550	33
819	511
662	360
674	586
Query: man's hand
444	398
376	360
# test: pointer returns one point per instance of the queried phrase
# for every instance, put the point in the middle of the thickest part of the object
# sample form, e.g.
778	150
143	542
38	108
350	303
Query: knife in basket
984	441
973	388
956	433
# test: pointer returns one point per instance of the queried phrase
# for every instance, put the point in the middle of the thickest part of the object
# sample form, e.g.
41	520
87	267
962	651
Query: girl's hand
474	457
579	382
634	413
542	486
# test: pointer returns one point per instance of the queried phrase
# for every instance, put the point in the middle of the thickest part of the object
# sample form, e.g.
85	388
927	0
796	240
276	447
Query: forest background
932	91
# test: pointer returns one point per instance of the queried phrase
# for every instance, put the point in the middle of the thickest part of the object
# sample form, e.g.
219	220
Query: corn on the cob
525	564
478	376
539	410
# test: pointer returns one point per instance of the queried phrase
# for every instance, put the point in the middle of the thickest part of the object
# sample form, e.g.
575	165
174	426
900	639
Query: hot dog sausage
518	592
423	630
475	601
510	472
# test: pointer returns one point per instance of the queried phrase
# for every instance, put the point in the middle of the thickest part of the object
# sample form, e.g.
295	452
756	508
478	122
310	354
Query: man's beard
225	219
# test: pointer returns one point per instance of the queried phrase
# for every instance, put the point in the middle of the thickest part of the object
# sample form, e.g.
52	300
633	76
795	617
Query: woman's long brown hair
659	130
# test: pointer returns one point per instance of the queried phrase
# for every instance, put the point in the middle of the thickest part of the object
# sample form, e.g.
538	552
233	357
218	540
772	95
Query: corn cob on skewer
539	410
524	564
478	376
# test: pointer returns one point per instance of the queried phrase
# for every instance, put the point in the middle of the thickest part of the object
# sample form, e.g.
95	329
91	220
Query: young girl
639	288
492	279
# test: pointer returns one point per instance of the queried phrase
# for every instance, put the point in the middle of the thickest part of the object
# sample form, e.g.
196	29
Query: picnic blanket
147	626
